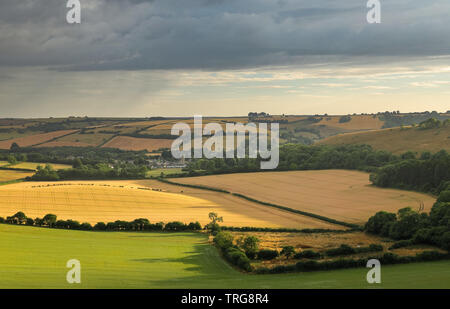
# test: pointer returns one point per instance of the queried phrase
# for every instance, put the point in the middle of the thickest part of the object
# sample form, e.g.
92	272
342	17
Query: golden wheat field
34	165
337	194
95	201
8	175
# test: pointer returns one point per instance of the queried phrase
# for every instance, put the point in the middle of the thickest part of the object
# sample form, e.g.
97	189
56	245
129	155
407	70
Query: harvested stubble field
79	140
338	194
312	241
133	143
357	123
95	201
320	242
397	140
34	139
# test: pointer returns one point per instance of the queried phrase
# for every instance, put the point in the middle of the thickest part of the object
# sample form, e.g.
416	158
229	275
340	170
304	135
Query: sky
142	58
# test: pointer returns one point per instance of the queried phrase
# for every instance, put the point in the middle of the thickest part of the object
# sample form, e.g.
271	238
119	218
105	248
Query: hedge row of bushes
224	241
140	224
282	230
385	259
347	250
193	186
308	254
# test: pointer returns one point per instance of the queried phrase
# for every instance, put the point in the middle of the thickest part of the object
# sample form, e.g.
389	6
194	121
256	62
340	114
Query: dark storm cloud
215	34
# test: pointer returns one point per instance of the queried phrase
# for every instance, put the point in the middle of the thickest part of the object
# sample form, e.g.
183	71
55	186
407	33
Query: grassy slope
397	140
36	258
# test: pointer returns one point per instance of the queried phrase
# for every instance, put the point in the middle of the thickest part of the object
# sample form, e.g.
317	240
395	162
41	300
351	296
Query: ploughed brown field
106	201
338	194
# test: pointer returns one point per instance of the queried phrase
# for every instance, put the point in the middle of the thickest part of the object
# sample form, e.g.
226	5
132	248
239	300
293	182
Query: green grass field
167	171
36	258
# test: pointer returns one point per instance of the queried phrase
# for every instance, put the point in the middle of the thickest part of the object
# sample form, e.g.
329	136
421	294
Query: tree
250	245
14	147
77	163
213	226
49	219
21	217
12	160
223	240
288	251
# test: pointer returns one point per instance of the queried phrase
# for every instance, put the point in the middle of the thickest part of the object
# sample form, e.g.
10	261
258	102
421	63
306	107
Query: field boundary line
54	139
300	212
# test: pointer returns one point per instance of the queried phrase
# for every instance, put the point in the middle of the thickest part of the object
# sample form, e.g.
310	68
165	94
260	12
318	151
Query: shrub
342	250
86	227
267	254
402	244
238	258
370	248
100	226
250	246
376	224
430	255
308	254
288	251
223	240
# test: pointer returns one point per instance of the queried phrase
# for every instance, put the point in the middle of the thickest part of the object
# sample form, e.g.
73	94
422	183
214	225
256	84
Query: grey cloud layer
215	34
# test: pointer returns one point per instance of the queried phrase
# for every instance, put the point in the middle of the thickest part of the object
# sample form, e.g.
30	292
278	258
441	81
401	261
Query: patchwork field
133	143
338	194
167	260
95	201
34	139
397	140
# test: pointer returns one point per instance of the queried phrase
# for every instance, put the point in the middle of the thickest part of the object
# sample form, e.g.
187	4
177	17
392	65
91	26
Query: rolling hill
397	140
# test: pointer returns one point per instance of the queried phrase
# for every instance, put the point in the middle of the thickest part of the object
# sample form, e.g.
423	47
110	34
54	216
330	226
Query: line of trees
301	157
98	171
429	173
140	224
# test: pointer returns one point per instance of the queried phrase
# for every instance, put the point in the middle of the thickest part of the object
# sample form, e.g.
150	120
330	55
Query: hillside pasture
397	140
357	123
34	139
168	260
106	201
338	194
79	140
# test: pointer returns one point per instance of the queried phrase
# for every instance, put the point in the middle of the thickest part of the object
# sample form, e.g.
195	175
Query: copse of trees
415	227
98	171
430	173
301	157
67	155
